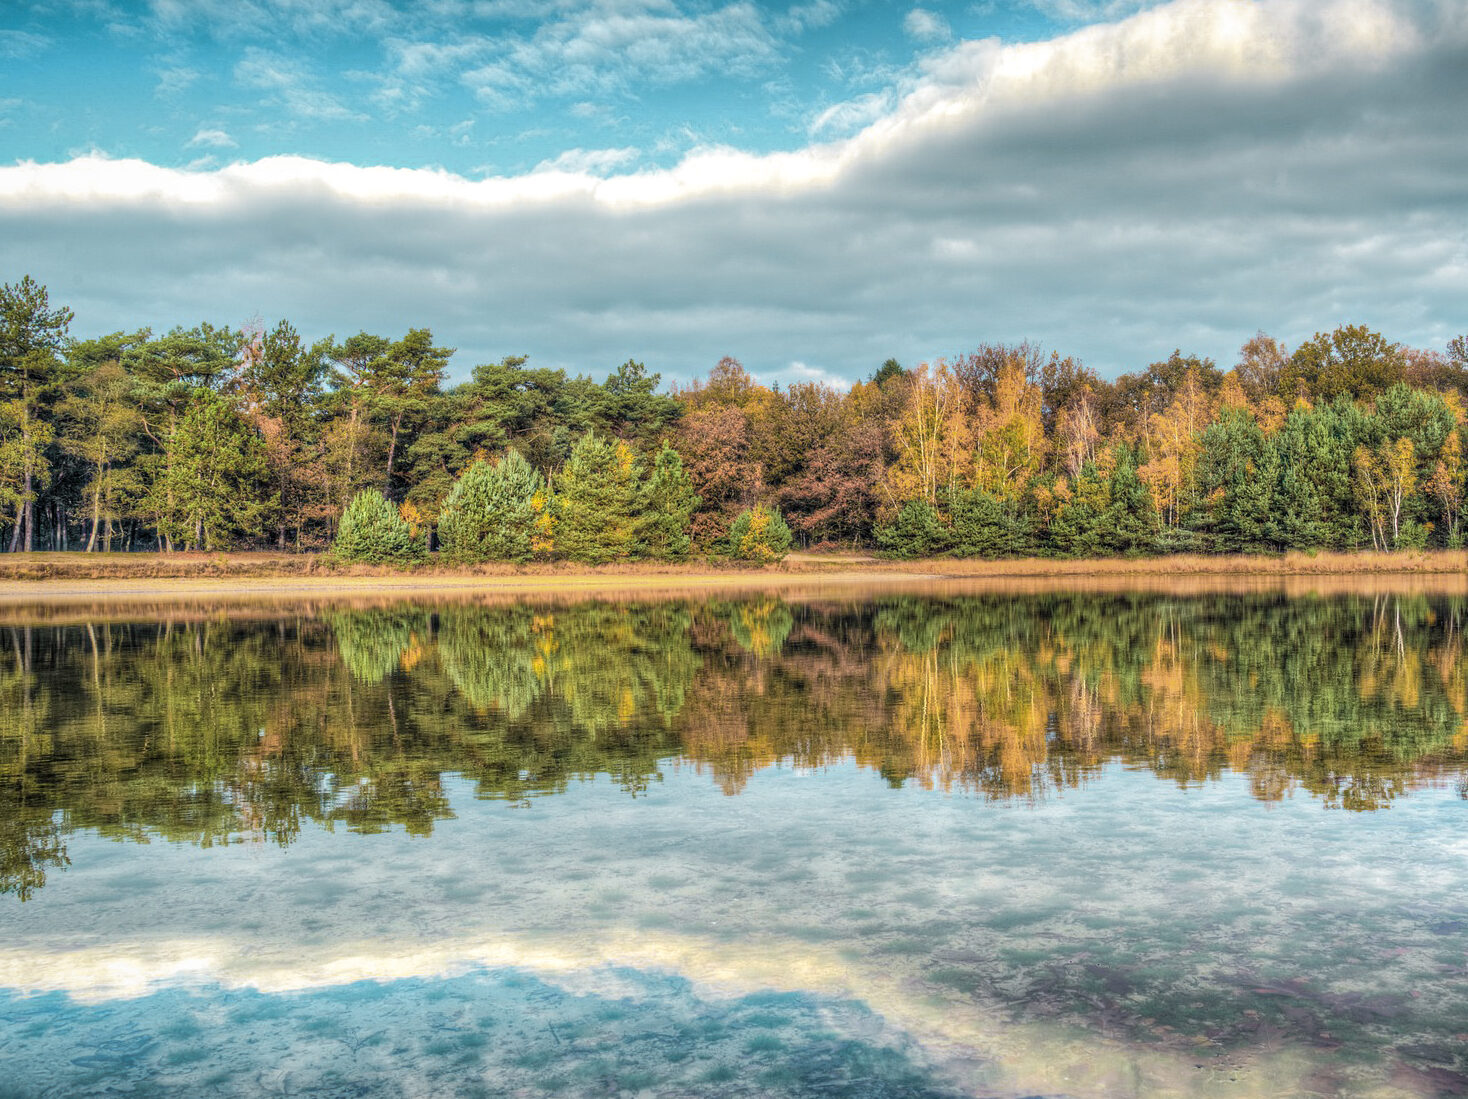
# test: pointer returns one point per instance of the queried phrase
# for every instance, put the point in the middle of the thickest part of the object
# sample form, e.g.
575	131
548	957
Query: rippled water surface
896	845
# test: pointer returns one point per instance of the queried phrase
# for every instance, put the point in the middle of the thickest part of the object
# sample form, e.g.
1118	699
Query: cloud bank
1180	177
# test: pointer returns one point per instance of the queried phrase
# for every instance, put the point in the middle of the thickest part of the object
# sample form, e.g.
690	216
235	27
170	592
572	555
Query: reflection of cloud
1032	1058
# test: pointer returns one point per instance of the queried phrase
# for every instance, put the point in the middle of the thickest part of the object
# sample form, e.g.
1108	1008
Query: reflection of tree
373	642
760	626
29	846
493	658
214	732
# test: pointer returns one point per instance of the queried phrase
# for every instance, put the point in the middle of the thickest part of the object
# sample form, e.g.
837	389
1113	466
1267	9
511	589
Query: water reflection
216	730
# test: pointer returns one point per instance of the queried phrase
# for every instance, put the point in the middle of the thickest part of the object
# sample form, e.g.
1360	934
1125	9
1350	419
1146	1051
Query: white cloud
608	49
1089	11
230	20
813	16
19	44
798	371
923	25
1181	178
214	139
290	86
174	80
852	114
596	162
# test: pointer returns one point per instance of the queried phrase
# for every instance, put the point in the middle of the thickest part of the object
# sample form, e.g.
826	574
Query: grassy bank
37	567
216	582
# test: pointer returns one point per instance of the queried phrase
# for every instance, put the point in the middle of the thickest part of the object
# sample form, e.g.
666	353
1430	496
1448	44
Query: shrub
371	530
759	534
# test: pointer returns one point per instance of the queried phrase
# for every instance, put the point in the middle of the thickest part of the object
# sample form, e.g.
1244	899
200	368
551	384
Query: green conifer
915	532
371	530
668	506
489	514
597	502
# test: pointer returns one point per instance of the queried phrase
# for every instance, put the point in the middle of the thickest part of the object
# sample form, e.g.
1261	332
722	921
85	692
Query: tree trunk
392	450
30	515
96	514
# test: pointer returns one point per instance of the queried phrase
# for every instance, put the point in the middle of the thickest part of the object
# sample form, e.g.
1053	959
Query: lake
895	843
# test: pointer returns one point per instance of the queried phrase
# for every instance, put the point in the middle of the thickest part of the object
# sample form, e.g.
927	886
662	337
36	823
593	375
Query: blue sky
479	89
810	188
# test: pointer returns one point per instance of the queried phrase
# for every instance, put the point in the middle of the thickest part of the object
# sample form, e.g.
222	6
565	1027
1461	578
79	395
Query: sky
810	188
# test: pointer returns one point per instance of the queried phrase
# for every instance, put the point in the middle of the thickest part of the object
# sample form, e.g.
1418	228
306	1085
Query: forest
214	438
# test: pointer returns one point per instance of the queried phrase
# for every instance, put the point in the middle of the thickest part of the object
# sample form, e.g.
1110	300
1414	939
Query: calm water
1063	844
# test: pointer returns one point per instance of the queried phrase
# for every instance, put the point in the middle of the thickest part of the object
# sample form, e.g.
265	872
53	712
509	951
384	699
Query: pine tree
986	527
1237	473
103	430
668	506
490	512
915	532
1079	521
372	530
32	335
1130	525
218	488
596	502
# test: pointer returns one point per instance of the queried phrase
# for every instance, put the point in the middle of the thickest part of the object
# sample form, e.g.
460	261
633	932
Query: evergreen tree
597	502
760	534
1237	474
372	530
490	512
986	527
171	371
103	430
1078	525
1130	524
630	406
218	489
668	506
915	532
1314	505
32	336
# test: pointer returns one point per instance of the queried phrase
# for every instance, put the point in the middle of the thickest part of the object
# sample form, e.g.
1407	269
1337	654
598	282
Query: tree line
215	437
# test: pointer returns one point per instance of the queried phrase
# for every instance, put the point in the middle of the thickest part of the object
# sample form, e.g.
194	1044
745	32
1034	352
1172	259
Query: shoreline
69	579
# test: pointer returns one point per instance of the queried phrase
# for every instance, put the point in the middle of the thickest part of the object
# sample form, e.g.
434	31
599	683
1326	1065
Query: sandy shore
78	581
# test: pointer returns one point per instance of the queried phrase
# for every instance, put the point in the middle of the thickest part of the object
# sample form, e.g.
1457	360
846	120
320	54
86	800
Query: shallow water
1054	844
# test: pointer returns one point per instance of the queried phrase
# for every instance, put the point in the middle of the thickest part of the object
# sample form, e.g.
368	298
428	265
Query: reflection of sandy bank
970	1041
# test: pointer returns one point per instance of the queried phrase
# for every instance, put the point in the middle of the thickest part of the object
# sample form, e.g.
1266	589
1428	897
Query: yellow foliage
410	514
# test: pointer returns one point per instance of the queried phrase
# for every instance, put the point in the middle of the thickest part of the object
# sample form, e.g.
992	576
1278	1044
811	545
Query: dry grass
309	582
285	566
1289	564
